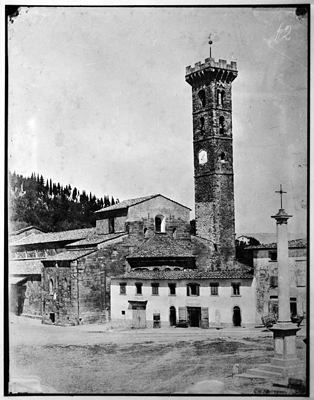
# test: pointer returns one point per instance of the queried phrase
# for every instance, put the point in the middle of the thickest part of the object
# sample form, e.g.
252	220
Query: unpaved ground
93	359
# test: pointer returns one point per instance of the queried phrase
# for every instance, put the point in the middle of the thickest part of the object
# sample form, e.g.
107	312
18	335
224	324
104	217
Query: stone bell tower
211	83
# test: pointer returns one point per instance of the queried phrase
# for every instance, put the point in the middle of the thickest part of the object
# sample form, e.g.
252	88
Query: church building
210	287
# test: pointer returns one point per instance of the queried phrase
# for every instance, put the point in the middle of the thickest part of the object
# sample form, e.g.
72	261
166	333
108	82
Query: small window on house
274	281
273	255
172	289
221	125
155	289
202	97
123	288
193	289
236	289
51	286
111	225
214	289
123	312
138	287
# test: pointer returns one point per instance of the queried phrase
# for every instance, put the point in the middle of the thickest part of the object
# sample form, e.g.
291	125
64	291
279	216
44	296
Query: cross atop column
281	192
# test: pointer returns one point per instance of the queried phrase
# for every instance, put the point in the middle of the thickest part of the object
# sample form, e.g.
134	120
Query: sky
97	99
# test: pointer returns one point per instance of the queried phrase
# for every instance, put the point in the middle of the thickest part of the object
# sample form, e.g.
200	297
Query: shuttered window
193	289
182	314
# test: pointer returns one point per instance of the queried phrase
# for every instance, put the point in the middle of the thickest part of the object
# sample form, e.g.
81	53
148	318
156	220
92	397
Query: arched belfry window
221	125
223	157
202	97
160	223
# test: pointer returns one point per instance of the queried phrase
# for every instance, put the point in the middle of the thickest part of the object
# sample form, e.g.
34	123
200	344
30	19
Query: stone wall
33	301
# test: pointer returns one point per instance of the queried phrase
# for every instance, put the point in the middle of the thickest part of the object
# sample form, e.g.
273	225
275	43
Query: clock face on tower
202	157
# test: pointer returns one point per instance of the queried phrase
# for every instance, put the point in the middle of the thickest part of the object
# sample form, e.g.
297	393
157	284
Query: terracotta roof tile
291	244
133	202
70	255
126	203
185	274
160	245
75	234
96	239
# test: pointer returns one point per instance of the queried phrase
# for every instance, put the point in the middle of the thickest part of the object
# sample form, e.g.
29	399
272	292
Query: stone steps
265	372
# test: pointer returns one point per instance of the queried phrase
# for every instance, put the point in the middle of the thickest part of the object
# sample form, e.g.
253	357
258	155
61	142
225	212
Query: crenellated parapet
219	70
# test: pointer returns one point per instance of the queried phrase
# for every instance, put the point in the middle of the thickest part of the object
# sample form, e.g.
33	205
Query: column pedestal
285	354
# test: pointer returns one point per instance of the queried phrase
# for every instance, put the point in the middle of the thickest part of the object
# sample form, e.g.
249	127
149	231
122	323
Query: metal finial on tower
210	42
281	192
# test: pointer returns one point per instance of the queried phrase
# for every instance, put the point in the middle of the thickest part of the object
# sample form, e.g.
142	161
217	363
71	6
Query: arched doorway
173	317
236	316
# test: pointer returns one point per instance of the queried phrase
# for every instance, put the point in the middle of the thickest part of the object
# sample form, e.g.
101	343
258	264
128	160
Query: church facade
140	266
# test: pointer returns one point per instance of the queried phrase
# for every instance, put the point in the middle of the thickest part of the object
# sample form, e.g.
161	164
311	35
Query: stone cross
281	192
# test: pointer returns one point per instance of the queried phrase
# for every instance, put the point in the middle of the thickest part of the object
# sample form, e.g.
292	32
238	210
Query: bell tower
211	83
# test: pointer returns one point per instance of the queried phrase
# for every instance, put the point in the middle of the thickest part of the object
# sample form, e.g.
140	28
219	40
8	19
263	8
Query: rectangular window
293	306
155	289
172	289
273	281
123	312
138	288
236	289
214	289
111	225
123	288
193	289
272	255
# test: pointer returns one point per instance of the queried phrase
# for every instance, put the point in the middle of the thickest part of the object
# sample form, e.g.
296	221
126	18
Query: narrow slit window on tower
51	286
202	97
202	121
222	97
174	233
221	125
223	157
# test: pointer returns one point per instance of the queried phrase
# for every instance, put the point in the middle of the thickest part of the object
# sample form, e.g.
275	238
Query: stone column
283	266
285	358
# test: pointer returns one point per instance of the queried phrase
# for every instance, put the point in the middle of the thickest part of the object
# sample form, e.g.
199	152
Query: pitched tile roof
96	239
75	234
291	244
127	203
133	202
25	267
160	245
70	255
185	274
